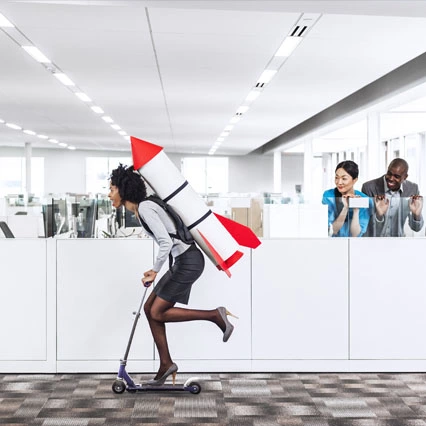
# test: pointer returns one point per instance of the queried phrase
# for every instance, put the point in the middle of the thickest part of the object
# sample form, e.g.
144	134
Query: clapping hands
416	206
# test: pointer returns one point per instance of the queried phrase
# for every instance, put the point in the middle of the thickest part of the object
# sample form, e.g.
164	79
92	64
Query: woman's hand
149	277
355	209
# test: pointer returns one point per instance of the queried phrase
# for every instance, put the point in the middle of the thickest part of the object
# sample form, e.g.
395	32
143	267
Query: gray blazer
377	187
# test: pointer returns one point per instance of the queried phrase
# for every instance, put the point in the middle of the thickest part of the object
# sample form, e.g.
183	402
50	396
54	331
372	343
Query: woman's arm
160	234
340	220
355	229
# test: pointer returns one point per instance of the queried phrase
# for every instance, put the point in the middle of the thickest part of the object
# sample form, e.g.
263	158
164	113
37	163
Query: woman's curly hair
129	183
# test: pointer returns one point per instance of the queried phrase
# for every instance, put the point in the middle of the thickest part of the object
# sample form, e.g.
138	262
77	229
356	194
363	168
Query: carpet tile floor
257	399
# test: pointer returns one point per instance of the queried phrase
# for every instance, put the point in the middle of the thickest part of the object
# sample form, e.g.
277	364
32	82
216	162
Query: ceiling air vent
298	31
304	24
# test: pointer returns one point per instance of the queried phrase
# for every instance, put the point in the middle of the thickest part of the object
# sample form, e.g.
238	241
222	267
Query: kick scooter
125	382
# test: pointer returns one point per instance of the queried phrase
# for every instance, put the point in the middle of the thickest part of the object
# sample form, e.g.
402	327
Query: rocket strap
174	193
169	197
199	220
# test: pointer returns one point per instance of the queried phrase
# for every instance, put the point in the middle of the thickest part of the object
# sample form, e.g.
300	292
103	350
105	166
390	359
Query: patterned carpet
259	399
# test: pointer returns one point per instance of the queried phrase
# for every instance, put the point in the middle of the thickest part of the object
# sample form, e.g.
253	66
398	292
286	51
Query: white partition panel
98	289
387	298
198	345
300	299
23	310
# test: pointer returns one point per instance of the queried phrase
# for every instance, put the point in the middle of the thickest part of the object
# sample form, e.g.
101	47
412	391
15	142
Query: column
28	155
422	164
374	168
307	170
277	172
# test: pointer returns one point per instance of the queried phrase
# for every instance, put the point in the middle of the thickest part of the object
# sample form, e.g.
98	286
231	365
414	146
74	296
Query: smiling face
114	196
395	175
344	181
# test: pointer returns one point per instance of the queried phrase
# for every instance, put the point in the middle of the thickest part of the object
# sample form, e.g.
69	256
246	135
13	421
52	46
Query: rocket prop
218	236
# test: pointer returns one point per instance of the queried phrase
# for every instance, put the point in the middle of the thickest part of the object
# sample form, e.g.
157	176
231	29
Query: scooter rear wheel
118	386
194	387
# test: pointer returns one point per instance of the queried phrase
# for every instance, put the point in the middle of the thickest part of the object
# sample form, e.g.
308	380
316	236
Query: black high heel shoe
159	382
229	327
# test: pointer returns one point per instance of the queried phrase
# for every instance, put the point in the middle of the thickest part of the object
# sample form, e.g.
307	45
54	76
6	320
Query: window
205	174
13	176
98	170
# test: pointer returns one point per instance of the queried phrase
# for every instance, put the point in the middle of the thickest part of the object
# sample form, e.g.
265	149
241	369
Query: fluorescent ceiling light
2	121
228	128
220	139
53	141
63	144
4	22
13	126
83	97
43	136
71	147
252	95
242	109
107	119
36	54
97	109
224	134
266	76
122	133
29	132
235	119
64	79
115	126
288	45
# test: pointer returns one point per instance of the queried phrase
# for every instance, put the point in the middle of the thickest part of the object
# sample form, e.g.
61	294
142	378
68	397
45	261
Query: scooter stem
137	315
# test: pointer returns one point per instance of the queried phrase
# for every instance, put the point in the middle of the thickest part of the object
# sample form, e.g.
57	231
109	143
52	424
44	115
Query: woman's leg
159	311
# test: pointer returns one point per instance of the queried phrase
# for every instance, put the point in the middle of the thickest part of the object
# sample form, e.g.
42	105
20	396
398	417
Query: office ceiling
175	72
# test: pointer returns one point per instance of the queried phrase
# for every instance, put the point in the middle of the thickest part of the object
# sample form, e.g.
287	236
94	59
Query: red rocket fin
224	265
143	152
243	235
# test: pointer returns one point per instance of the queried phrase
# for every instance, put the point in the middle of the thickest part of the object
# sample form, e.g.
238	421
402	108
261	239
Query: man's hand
416	206
149	277
382	205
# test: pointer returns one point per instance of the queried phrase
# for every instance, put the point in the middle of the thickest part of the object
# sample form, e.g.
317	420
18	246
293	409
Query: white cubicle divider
332	304
387	304
300	305
98	288
27	306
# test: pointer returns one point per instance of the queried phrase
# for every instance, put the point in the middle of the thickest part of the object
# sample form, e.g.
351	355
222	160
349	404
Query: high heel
229	328
159	382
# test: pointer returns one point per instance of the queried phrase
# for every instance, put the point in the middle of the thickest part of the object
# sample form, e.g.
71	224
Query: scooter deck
163	388
120	385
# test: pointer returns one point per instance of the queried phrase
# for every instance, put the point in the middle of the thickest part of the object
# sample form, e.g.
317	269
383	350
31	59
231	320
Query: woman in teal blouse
344	221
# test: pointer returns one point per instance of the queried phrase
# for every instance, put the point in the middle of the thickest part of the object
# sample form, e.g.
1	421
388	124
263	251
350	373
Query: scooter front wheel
119	386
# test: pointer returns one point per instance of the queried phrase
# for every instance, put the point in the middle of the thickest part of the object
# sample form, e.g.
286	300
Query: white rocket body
164	178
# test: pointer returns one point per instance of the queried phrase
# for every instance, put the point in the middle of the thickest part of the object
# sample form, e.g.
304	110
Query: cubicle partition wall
315	304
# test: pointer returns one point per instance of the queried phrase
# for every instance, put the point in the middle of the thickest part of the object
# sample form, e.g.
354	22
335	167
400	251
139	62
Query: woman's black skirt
175	285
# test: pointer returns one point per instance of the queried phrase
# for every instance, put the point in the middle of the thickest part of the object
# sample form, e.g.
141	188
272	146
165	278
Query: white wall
65	170
255	173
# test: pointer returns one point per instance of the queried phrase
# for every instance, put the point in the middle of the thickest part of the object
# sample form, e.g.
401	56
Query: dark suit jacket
377	187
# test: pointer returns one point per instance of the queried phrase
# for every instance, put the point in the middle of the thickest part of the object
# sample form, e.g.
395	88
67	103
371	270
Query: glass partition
268	216
380	216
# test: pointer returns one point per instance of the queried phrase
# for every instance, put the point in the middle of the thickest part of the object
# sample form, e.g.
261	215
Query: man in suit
395	199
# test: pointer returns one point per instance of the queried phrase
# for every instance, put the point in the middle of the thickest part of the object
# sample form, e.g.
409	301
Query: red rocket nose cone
143	152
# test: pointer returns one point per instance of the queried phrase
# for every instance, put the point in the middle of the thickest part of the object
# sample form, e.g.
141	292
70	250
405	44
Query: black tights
158	311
